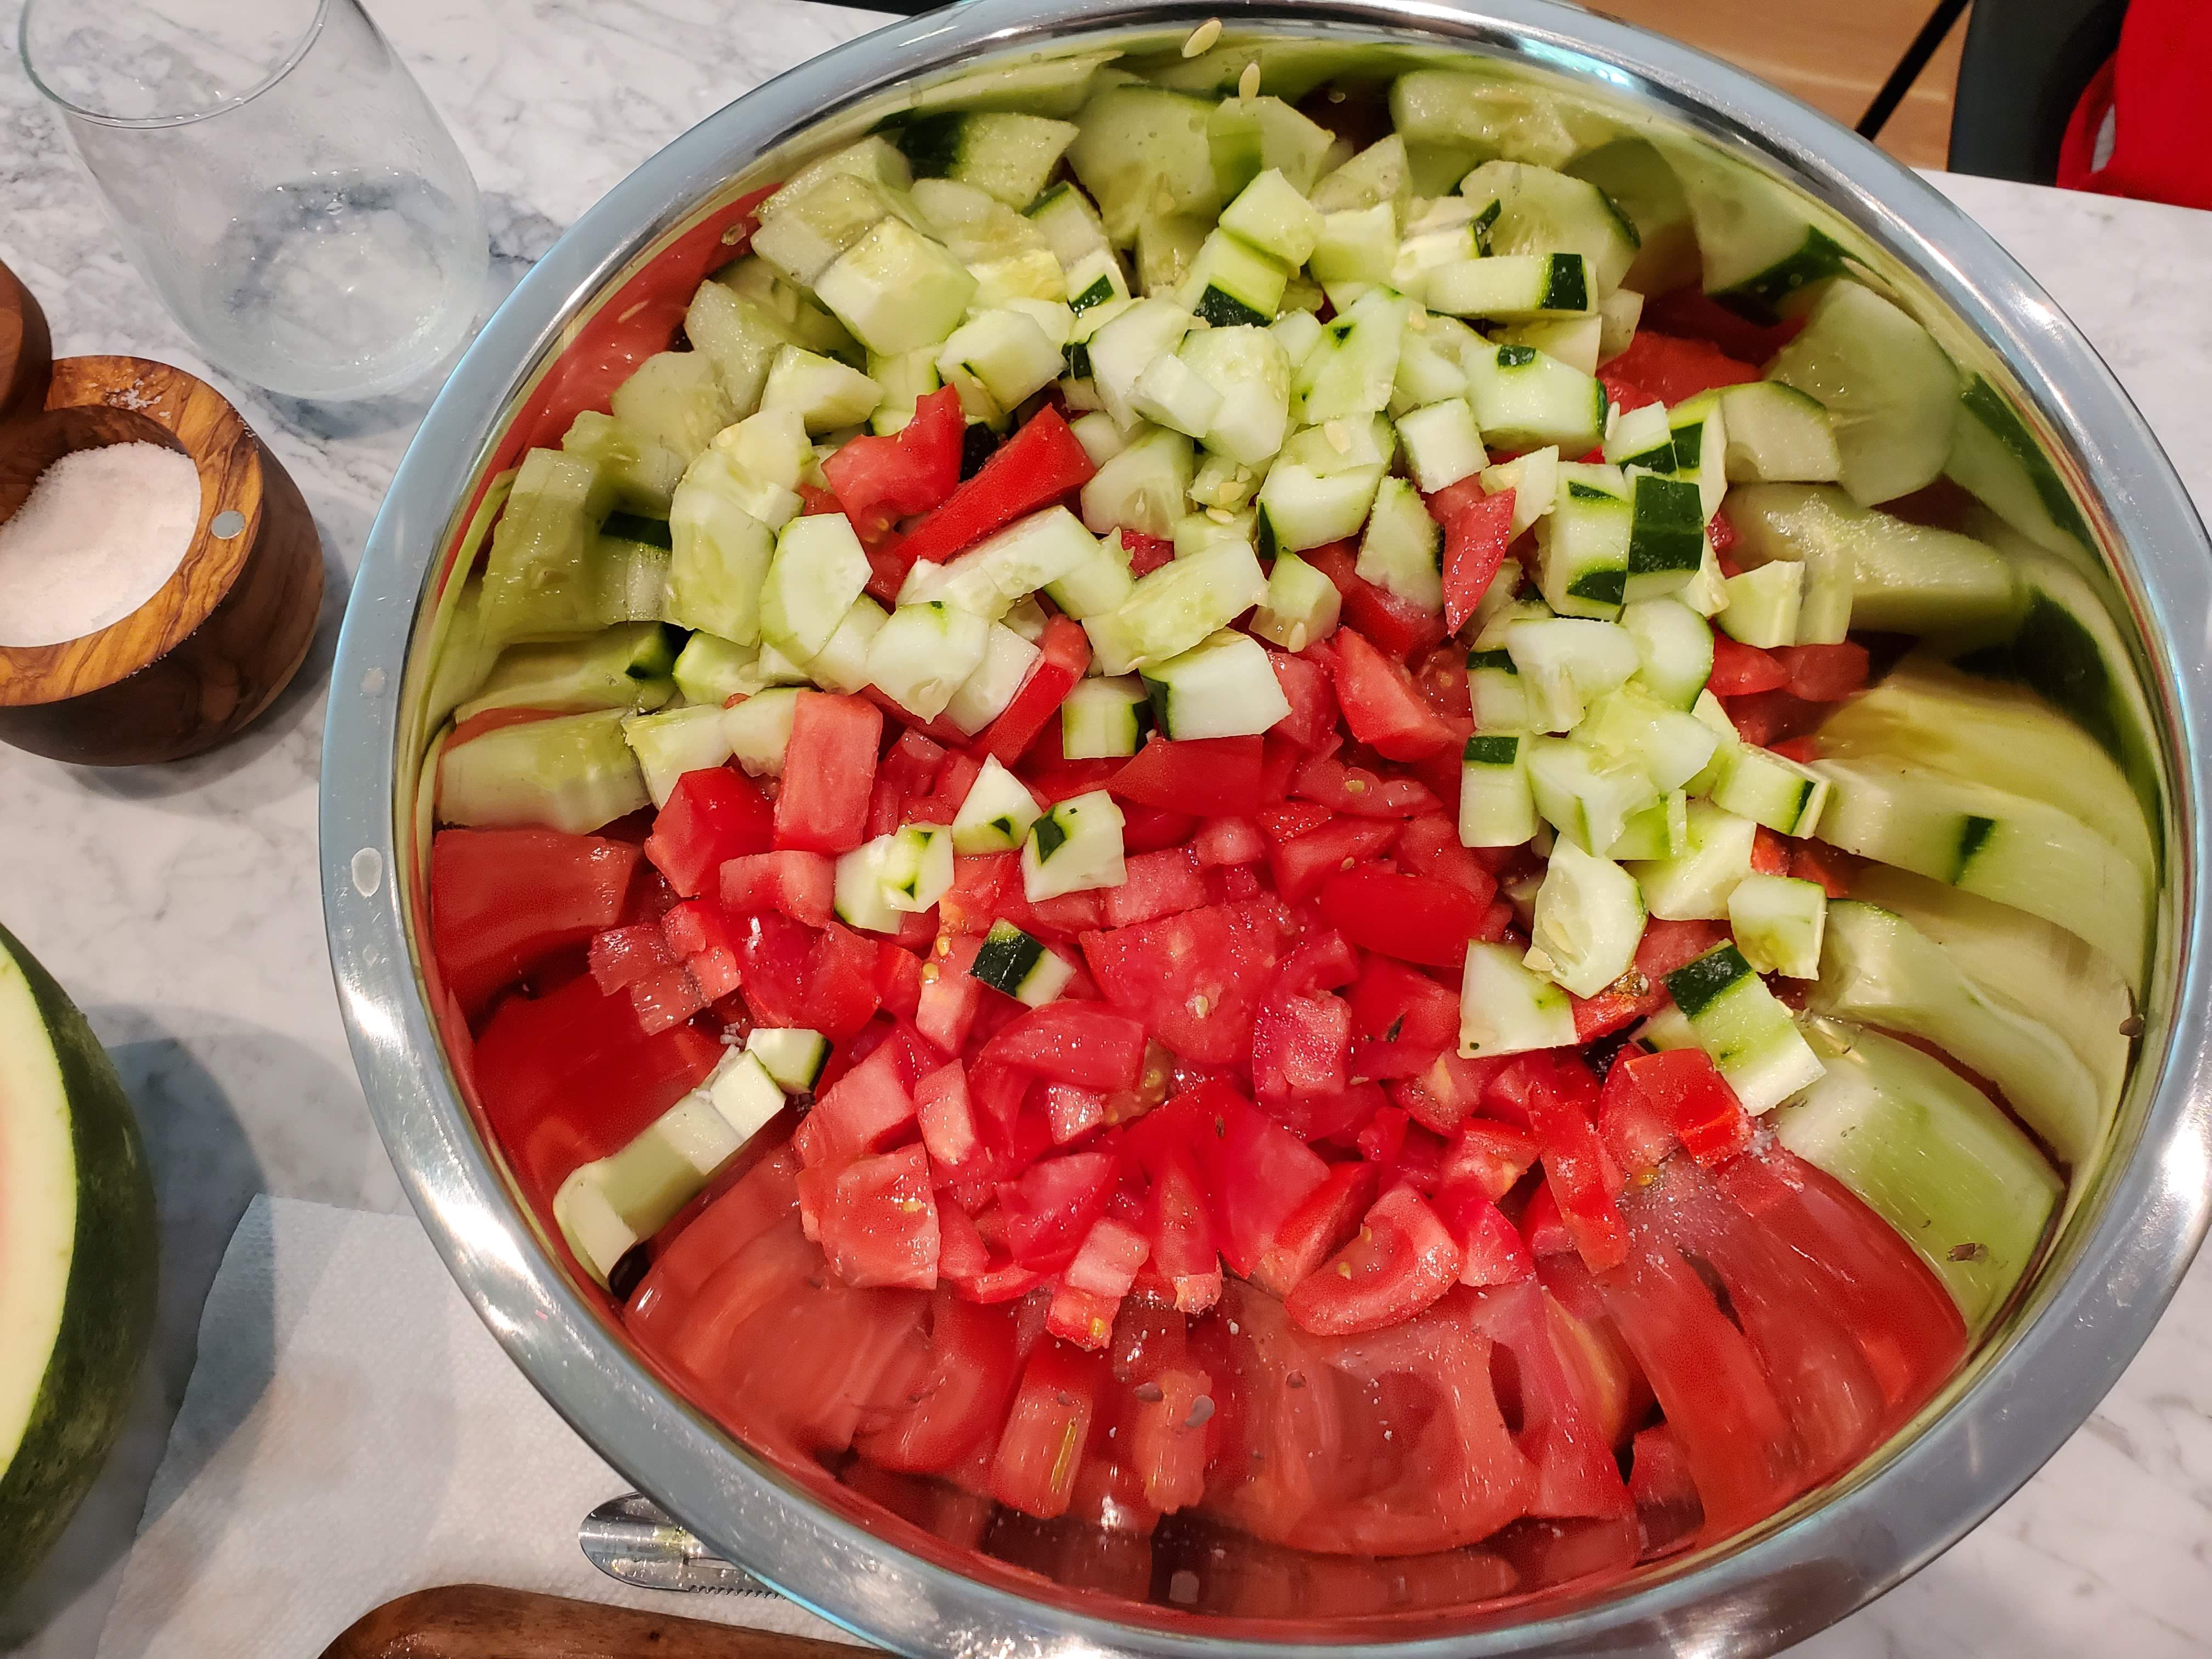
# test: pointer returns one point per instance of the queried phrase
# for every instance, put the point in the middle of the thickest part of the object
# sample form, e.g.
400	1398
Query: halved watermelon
78	1258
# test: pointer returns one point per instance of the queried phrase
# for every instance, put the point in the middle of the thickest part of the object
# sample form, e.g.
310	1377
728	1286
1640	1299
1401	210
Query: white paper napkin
351	1432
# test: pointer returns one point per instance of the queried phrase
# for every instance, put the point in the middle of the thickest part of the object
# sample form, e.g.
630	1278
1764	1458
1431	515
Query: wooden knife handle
480	1622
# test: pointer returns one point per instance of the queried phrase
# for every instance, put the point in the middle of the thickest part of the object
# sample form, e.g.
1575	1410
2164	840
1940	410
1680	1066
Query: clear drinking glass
279	178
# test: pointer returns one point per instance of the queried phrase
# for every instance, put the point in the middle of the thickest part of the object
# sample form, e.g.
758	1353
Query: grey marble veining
179	904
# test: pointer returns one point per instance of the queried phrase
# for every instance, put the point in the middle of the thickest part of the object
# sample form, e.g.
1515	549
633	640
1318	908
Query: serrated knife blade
633	1539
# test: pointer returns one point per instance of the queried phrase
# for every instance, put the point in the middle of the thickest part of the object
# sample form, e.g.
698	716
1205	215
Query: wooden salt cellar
195	664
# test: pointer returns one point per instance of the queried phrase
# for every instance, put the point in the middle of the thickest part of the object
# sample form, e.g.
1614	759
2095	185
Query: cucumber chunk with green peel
1640	438
1876	969
1589	918
1175	606
793	1056
540	579
1168	393
896	289
1300	606
2004	846
1577	342
669	745
1866	568
1442	444
1512	286
805	226
1666	534
1074	846
1104	718
923	653
722	554
1584	544
1638	181
1587	796
627	666
1008	657
1021	966
709	669
1673	649
1247	137
1932	1155
1127	345
1355	245
1926	714
1777	434
827	394
1143	152
918	869
1659	831
740	338
1997	458
2024	963
1748	1032
1273	216
1699	433
1759	254
637	473
1402	548
990	577
573	773
1541	211
1505	1008
675	399
1003	355
1497	807
1763	604
1891	394
1073	231
1222	687
1771	789
996	815
1779	922
1502	702
1167	247
758	730
1351	373
1099	581
1009	157
607	1207
1695	886
1526	399
1144	488
1376	176
1232	284
1302	505
861	892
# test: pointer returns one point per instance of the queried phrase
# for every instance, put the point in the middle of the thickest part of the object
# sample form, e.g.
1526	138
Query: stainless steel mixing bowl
2106	1278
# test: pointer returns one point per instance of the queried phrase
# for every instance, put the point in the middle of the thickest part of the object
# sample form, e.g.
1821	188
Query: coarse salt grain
99	533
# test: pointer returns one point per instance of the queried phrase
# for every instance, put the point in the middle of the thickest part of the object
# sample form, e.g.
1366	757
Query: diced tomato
1739	670
1665	368
1072	1112
946	1009
1033	468
1824	673
1085	1043
1383	1141
1441	678
622	955
571	1077
1064	653
971	903
898	979
1449	1091
840	983
1454	499
1394	1003
501	901
1292	818
1412	918
1491	1251
1720	530
1194	979
1041	1447
1095	1282
878	481
1381	706
947	1117
1317	1228
1475	539
1813	860
1213	777
1308	687
1052	1206
1154	830
962	1397
1146	553
863	1111
1256	1172
1562	1429
1804	750
1429	846
1542	1226
1222	841
801	885
1690	311
828	773
1770	719
1301	1045
1400	1261
1162	883
1560	1104
1397	627
1689	1097
711	816
1770	853
1182	1248
1322	961
1662	1489
1302	864
880	1227
1327	781
1492	1157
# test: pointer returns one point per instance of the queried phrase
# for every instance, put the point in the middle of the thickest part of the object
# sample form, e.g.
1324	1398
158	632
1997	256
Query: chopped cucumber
827	394
1778	922
1376	176
1222	687
1167	247
1584	543
1170	394
1442	444
1100	439
1011	961
1525	398
676	400
740	338
1072	229
1177	606
1075	846
1640	437
985	695
758	730
1142	152
1220	481
605	1208
1104	718
1095	279
1351	373
1310	499
1355	245
1250	370
1763	604
1505	1008
667	745
572	772
1587	797
1637	181
1232	284
2008	848
791	1055
1297	333
917	870
1005	254
1877	968
627	666
1778	434
1010	156
1403	549
1502	702
1671	745
817	572
1771	789
923	653
1249	136
1004	355
709	669
988	577
1497	808
906	379
539	578
639	473
1666	535
1695	886
1126	346
997	814
1759	254
1566	662
1659	831
1270	214
1541	211
1931	1155
1673	649
896	289
1144	488
1994	455
722	553
1534	478
862	892
1300	607
1891	394
1512	286
1747	1030
1589	919
1618	315
1577	342
1101	581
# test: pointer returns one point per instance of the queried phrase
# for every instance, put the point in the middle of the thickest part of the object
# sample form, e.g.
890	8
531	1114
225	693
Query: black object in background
2024	68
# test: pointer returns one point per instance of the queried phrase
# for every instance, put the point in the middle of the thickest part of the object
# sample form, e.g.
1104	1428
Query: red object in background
2153	93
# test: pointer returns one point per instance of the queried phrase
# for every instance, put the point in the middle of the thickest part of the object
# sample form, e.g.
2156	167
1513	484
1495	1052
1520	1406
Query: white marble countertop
178	904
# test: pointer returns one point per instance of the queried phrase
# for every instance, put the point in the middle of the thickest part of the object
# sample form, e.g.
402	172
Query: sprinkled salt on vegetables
100	531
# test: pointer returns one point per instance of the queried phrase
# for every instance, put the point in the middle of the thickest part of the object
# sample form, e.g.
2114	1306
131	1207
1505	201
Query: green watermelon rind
107	1316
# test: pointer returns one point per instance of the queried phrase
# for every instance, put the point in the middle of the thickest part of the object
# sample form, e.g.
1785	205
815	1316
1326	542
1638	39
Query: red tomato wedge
960	1401
1042	1448
881	1225
1194	979
710	816
1395	625
1213	777
828	773
1740	670
1066	651
879	480
1663	368
1033	468
1380	704
503	900
1476	536
1412	918
1402	1259
1085	1043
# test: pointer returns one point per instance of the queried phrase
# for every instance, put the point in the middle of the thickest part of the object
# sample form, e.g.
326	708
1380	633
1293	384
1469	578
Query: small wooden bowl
196	663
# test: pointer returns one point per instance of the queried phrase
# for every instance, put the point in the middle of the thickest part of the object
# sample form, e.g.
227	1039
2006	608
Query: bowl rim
2070	1344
